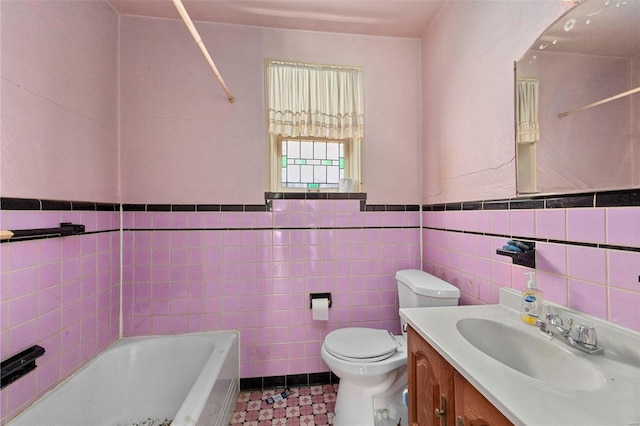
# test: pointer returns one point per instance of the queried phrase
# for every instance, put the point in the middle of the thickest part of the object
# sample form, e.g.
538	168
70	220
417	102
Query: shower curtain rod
603	101
194	33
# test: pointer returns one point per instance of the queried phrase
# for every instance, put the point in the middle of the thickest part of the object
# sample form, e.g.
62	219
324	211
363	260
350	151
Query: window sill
299	195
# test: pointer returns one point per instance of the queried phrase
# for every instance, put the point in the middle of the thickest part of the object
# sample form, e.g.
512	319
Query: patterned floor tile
305	406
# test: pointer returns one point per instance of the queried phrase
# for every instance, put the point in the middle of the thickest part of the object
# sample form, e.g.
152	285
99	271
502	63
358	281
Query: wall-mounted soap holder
525	258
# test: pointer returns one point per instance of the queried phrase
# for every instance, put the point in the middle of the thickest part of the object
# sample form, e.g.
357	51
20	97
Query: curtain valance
315	100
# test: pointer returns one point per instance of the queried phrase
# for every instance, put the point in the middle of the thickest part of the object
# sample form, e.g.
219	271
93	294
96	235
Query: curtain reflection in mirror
527	133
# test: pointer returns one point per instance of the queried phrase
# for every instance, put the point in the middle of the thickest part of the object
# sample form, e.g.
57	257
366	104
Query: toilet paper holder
319	296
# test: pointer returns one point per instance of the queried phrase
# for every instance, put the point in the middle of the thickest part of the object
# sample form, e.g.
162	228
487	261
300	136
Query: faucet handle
587	335
554	319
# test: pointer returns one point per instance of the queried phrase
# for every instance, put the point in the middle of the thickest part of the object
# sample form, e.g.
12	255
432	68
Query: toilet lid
360	344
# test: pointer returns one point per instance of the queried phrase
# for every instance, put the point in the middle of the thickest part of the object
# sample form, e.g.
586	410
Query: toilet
372	363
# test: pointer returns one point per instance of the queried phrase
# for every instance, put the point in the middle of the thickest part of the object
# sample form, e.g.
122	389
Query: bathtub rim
123	341
202	387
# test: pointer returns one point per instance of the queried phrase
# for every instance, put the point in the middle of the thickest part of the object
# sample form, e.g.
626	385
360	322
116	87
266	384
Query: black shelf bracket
20	364
525	258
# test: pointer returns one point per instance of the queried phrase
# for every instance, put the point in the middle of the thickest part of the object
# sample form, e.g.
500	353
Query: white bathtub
192	379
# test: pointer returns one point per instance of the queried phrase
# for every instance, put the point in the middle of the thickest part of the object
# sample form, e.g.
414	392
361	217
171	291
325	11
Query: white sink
534	356
533	379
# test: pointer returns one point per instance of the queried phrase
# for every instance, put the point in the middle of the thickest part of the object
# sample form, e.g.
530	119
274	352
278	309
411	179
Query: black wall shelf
65	229
525	258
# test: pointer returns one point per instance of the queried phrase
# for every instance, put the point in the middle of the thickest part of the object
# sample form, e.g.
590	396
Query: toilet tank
417	288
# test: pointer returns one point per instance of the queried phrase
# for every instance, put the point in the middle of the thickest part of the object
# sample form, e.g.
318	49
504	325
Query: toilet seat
360	344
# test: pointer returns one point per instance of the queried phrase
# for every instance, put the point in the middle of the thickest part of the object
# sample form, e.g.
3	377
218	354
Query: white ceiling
393	18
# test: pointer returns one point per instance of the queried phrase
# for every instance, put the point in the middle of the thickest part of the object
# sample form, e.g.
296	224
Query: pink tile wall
258	280
601	280
59	293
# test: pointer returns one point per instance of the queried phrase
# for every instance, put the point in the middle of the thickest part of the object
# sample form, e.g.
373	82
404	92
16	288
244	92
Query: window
312	163
316	126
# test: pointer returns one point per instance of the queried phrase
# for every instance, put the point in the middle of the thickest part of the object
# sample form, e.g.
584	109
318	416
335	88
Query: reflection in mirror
578	102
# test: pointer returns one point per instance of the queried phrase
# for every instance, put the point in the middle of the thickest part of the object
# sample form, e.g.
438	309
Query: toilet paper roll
320	309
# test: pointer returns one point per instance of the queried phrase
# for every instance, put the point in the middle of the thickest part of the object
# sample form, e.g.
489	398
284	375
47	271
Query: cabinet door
430	385
473	409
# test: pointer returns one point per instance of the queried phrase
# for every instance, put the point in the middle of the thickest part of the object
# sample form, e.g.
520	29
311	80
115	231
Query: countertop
528	401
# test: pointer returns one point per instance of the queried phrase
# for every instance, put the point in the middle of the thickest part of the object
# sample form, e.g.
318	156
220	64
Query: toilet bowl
372	363
367	375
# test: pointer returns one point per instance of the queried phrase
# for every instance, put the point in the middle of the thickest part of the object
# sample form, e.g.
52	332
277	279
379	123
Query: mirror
578	102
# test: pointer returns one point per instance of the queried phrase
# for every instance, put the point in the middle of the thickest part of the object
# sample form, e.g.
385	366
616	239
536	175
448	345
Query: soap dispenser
531	307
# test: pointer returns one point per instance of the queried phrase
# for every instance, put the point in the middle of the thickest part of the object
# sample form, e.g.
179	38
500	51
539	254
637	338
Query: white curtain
315	100
528	130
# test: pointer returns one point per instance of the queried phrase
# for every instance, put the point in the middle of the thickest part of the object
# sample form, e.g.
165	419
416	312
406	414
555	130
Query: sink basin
534	356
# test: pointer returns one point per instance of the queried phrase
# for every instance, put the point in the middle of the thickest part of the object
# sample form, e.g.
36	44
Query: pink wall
601	281
59	141
636	113
59	293
183	142
257	276
468	142
468	154
59	109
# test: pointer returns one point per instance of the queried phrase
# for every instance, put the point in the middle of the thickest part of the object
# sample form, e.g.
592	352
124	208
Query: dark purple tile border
315	195
544	240
293	380
622	198
20	204
9	203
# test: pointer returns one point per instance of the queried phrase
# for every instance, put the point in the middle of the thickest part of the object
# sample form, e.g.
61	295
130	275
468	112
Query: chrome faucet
584	339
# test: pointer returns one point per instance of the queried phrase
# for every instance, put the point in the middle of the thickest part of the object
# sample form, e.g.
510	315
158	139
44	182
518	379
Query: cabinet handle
442	412
459	421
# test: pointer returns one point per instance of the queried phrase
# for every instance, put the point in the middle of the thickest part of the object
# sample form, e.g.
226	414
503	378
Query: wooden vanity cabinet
439	395
431	393
472	408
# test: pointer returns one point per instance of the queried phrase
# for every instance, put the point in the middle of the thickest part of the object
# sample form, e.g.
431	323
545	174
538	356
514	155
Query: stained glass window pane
320	150
306	174
312	164
320	174
306	149
293	149
333	174
294	174
333	151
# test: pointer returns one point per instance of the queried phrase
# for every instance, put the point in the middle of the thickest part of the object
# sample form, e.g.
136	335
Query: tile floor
305	406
